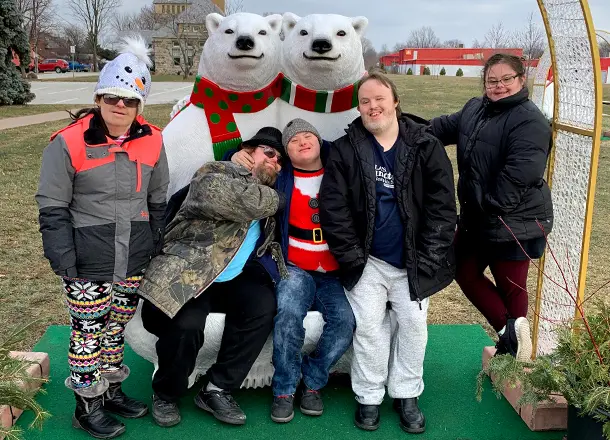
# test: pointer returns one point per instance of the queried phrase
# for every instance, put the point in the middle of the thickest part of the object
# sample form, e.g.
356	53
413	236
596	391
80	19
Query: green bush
410	71
443	72
459	72
426	71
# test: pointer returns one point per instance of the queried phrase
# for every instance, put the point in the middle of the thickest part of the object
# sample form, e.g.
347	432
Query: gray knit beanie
295	126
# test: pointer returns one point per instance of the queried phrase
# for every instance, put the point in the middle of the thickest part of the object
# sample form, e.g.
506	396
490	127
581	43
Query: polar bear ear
360	24
289	22
212	22
275	22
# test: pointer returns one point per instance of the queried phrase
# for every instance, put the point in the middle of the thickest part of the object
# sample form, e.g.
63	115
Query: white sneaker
524	340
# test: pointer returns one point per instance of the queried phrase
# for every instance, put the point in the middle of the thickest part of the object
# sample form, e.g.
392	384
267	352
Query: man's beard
378	126
265	174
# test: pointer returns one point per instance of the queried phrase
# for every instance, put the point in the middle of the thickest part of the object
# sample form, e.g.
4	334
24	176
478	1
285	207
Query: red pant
507	298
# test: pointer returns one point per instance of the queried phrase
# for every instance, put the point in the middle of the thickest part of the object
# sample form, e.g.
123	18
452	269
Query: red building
451	59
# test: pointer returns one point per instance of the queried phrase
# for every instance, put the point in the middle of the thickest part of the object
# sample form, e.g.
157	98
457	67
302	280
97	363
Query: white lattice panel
573	152
544	64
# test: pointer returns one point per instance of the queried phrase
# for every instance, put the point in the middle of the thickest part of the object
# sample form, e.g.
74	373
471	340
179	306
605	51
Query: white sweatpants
381	357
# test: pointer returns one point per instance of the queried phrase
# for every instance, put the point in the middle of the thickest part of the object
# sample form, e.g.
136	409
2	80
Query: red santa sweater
307	247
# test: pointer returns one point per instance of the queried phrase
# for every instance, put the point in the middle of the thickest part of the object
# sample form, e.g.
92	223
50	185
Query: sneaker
516	340
165	413
282	410
521	327
221	405
311	402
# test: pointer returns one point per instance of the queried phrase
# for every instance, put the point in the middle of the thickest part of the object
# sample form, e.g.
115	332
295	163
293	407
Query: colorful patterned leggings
99	311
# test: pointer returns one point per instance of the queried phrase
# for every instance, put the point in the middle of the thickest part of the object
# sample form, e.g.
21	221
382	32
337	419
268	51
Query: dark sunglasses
271	152
114	100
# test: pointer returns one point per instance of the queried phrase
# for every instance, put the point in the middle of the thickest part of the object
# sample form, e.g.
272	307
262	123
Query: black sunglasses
271	152
114	100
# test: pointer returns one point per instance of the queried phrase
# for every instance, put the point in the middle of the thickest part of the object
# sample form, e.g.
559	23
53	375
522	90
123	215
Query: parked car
18	64
78	66
53	64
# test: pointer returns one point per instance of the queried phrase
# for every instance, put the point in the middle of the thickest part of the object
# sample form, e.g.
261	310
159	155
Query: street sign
72	49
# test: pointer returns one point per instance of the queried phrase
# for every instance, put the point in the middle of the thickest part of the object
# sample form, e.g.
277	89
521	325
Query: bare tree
531	38
423	37
233	6
604	48
398	47
149	19
385	50
125	22
453	43
187	29
75	36
497	37
38	18
94	16
476	44
369	53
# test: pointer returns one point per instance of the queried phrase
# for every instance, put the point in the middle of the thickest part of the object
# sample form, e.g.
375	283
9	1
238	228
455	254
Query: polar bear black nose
321	46
244	43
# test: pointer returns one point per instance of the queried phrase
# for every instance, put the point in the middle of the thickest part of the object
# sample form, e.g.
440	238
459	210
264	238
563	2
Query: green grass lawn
155	78
29	290
12	111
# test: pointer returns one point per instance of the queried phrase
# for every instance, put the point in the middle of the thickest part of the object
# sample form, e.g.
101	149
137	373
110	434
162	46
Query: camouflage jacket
207	232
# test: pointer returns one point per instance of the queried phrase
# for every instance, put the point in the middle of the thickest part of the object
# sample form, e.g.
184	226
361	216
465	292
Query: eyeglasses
271	152
114	100
507	81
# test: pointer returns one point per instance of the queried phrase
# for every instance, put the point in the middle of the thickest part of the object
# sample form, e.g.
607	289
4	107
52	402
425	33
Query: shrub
426	71
410	71
459	72
443	72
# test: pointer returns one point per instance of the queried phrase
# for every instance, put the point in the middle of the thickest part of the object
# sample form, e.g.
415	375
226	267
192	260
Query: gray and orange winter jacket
101	206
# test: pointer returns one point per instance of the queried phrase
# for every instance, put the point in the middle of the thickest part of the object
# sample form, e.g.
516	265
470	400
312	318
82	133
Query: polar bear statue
322	62
238	69
189	142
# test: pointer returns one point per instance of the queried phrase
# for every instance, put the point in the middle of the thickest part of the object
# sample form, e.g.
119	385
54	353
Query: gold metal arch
572	171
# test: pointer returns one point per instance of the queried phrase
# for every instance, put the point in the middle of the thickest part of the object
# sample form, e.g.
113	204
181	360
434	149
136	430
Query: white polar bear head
323	51
242	51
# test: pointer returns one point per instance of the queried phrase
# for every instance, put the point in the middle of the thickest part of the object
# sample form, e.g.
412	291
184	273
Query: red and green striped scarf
220	105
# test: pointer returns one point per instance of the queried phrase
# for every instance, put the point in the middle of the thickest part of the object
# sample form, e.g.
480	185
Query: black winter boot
411	418
91	416
118	403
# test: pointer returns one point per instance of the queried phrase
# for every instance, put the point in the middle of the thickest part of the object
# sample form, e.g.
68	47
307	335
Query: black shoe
412	419
311	402
117	402
165	413
516	340
91	416
222	405
367	417
282	410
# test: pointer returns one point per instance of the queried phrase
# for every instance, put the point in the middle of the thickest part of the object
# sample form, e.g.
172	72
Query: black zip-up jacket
423	179
502	151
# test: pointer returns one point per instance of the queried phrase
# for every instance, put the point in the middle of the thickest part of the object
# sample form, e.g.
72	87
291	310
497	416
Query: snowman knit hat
127	75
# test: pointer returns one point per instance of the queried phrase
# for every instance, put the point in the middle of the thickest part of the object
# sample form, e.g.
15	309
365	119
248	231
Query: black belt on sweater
314	235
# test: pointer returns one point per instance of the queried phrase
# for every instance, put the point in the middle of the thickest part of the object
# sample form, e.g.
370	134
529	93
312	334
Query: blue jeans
300	292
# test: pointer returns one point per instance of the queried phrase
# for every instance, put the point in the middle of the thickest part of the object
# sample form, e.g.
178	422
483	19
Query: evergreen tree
410	71
443	72
426	71
459	72
13	40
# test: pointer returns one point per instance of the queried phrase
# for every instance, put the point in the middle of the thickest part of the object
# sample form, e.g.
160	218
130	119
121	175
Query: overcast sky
390	21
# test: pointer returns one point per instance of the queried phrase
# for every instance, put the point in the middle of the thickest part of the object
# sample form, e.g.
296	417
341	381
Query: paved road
67	75
82	93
